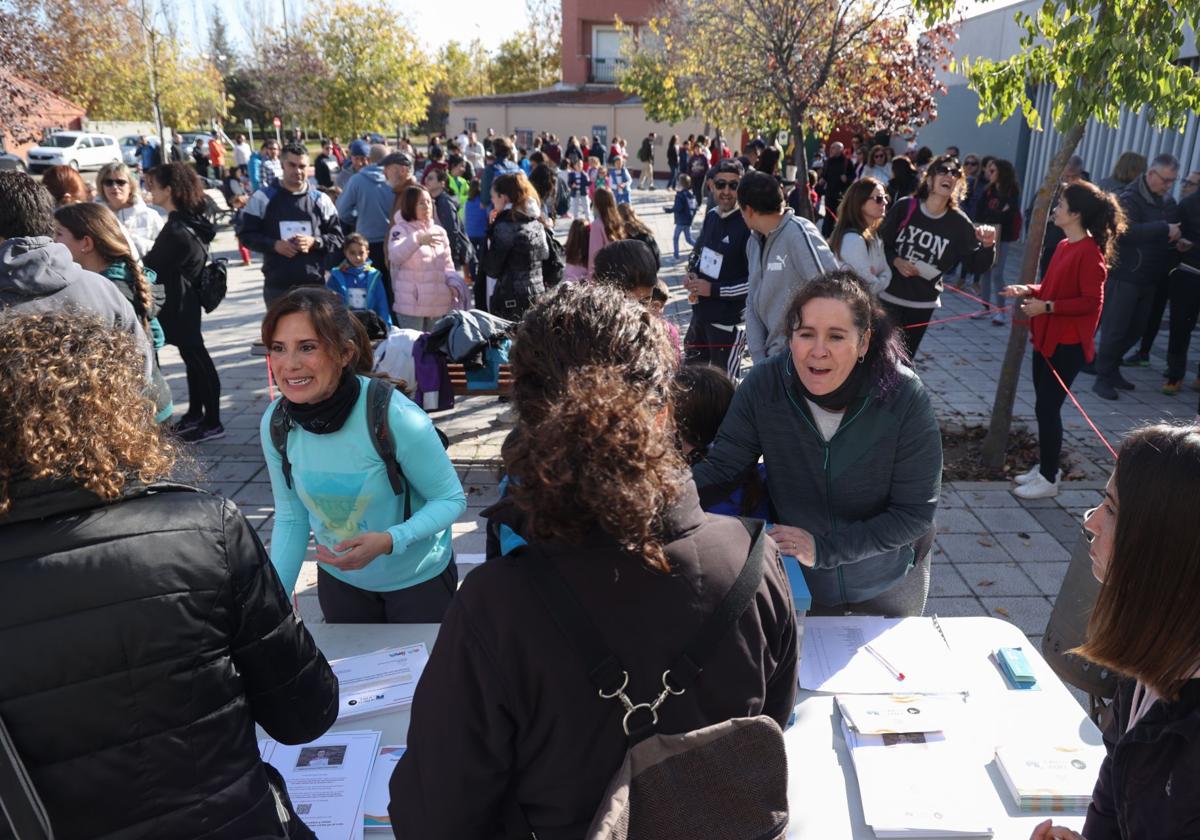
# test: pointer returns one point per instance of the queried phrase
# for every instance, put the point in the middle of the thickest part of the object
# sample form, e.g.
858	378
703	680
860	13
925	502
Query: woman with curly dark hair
178	257
852	450
604	499
145	631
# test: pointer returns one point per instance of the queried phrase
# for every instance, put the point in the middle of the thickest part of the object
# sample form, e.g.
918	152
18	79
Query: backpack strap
379	397
19	801
605	670
908	214
279	427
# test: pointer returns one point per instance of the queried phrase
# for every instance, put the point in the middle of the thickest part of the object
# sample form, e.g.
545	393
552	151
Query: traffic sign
276	122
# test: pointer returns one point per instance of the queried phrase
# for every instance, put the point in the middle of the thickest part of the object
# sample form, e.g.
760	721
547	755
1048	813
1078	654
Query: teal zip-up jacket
865	496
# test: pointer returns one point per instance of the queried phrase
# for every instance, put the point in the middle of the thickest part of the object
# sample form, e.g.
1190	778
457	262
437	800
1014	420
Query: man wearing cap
367	199
398	169
358	159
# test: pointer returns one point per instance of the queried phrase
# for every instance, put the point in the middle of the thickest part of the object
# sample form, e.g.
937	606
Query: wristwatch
1049	306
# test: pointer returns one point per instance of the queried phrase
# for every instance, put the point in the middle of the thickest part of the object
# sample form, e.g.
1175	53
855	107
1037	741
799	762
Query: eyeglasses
880	157
115	182
725	185
946	169
970	163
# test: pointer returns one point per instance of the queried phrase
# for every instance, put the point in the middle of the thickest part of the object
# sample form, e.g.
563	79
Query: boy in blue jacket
684	210
358	282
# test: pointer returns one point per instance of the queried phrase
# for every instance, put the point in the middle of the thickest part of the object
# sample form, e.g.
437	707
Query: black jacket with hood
179	255
140	641
38	274
516	248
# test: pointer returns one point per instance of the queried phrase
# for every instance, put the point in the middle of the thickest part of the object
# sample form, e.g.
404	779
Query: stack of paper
375	802
326	780
835	658
379	681
917	785
886	714
1051	779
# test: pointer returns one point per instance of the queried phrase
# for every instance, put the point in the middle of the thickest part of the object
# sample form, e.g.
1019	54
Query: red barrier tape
1086	418
967	295
991	310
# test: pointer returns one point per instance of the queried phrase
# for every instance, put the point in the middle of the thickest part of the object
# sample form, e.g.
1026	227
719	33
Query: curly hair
72	406
593	380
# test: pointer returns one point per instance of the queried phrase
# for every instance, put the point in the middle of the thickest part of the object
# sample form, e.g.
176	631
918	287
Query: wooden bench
458	382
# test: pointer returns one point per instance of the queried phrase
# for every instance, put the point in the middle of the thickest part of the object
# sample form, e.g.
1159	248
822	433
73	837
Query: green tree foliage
380	77
532	58
464	71
292	77
1098	56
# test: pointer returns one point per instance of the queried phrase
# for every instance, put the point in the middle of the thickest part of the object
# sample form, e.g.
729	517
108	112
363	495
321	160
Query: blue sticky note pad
800	594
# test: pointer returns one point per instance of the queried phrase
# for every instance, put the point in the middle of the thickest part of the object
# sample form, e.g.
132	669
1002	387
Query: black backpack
213	282
379	396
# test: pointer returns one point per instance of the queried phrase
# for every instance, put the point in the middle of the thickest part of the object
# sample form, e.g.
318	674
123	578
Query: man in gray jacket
38	274
784	252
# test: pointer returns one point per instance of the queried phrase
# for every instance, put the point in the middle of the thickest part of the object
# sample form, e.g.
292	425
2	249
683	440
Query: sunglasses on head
725	185
947	169
115	182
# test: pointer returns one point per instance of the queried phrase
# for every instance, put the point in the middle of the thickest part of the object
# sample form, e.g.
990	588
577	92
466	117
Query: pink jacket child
421	274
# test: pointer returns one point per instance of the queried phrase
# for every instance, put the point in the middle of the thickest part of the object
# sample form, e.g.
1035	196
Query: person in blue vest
295	227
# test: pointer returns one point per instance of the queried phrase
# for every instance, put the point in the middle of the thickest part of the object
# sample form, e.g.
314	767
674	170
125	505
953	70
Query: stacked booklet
1051	779
380	681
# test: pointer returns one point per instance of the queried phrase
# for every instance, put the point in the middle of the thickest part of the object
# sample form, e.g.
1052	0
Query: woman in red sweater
1063	312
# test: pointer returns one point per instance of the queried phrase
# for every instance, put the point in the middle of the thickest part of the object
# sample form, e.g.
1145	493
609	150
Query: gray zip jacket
780	264
866	495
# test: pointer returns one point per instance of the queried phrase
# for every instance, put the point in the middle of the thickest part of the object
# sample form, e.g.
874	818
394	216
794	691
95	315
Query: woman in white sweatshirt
855	239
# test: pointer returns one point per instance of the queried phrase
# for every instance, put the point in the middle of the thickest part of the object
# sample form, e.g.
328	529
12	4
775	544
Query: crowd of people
628	446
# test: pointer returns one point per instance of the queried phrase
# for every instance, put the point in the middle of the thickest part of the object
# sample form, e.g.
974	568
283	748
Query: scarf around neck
327	415
839	398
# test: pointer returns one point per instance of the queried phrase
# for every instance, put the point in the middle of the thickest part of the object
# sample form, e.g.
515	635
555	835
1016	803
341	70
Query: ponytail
1100	214
142	300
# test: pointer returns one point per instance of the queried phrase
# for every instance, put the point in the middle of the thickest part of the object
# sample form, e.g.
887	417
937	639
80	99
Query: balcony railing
605	70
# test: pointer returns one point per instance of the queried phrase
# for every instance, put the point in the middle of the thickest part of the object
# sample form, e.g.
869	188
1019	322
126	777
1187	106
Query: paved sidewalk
994	555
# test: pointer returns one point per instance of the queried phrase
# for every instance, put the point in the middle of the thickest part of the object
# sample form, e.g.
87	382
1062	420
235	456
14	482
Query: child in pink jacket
419	259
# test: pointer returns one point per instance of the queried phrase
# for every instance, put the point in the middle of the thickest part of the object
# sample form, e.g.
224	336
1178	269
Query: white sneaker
1036	470
1036	488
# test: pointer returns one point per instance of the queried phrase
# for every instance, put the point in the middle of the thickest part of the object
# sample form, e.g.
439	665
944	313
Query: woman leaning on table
1146	554
145	632
505	718
851	447
373	565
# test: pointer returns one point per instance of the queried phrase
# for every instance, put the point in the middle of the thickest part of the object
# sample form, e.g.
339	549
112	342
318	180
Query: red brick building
50	111
591	43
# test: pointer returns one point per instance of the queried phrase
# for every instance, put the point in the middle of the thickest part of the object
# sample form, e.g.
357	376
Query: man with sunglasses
718	277
1145	251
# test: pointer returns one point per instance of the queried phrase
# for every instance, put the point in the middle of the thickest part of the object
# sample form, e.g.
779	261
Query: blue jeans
686	230
992	280
673	178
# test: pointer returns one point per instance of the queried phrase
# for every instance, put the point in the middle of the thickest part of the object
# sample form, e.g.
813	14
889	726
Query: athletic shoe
1034	472
185	424
998	319
1121	383
1037	488
1137	360
1171	388
200	434
1104	389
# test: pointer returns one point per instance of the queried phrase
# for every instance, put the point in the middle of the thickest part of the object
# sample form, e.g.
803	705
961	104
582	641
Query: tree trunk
800	159
996	441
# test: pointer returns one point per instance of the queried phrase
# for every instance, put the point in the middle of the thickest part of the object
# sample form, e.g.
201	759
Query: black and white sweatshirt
935	243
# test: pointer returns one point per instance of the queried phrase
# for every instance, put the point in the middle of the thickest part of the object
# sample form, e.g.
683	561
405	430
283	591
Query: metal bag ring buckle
619	691
667	685
649	708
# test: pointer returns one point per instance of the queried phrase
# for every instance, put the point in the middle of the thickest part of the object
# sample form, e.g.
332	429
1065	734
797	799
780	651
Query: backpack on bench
726	780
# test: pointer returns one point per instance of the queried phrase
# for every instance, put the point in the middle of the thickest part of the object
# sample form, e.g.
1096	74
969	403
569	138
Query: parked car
76	149
129	150
11	161
191	137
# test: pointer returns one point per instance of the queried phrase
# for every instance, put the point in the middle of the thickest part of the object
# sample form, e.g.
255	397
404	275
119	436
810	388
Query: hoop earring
862	358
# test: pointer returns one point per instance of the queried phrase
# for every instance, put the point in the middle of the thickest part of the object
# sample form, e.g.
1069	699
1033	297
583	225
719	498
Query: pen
892	669
937	625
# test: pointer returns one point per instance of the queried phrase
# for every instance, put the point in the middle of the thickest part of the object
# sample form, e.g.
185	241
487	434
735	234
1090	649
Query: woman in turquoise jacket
382	545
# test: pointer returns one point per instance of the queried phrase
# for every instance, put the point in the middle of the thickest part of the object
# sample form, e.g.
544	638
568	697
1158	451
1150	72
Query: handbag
213	283
19	799
555	263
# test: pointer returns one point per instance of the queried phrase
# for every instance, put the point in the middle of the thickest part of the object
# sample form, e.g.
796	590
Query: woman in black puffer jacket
145	632
516	247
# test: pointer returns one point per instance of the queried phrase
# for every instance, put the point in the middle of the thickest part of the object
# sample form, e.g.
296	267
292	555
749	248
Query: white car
76	149
129	150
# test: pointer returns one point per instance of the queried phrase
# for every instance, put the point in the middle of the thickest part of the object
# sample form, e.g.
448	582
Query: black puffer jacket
1144	255
517	245
140	642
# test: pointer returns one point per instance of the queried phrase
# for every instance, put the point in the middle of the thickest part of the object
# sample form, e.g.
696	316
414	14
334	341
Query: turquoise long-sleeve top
340	489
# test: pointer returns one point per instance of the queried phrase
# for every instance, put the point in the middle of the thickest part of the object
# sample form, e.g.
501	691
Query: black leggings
425	603
902	316
1048	400
182	328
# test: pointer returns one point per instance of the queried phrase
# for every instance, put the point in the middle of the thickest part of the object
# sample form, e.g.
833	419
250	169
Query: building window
524	138
601	131
471	124
607	60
